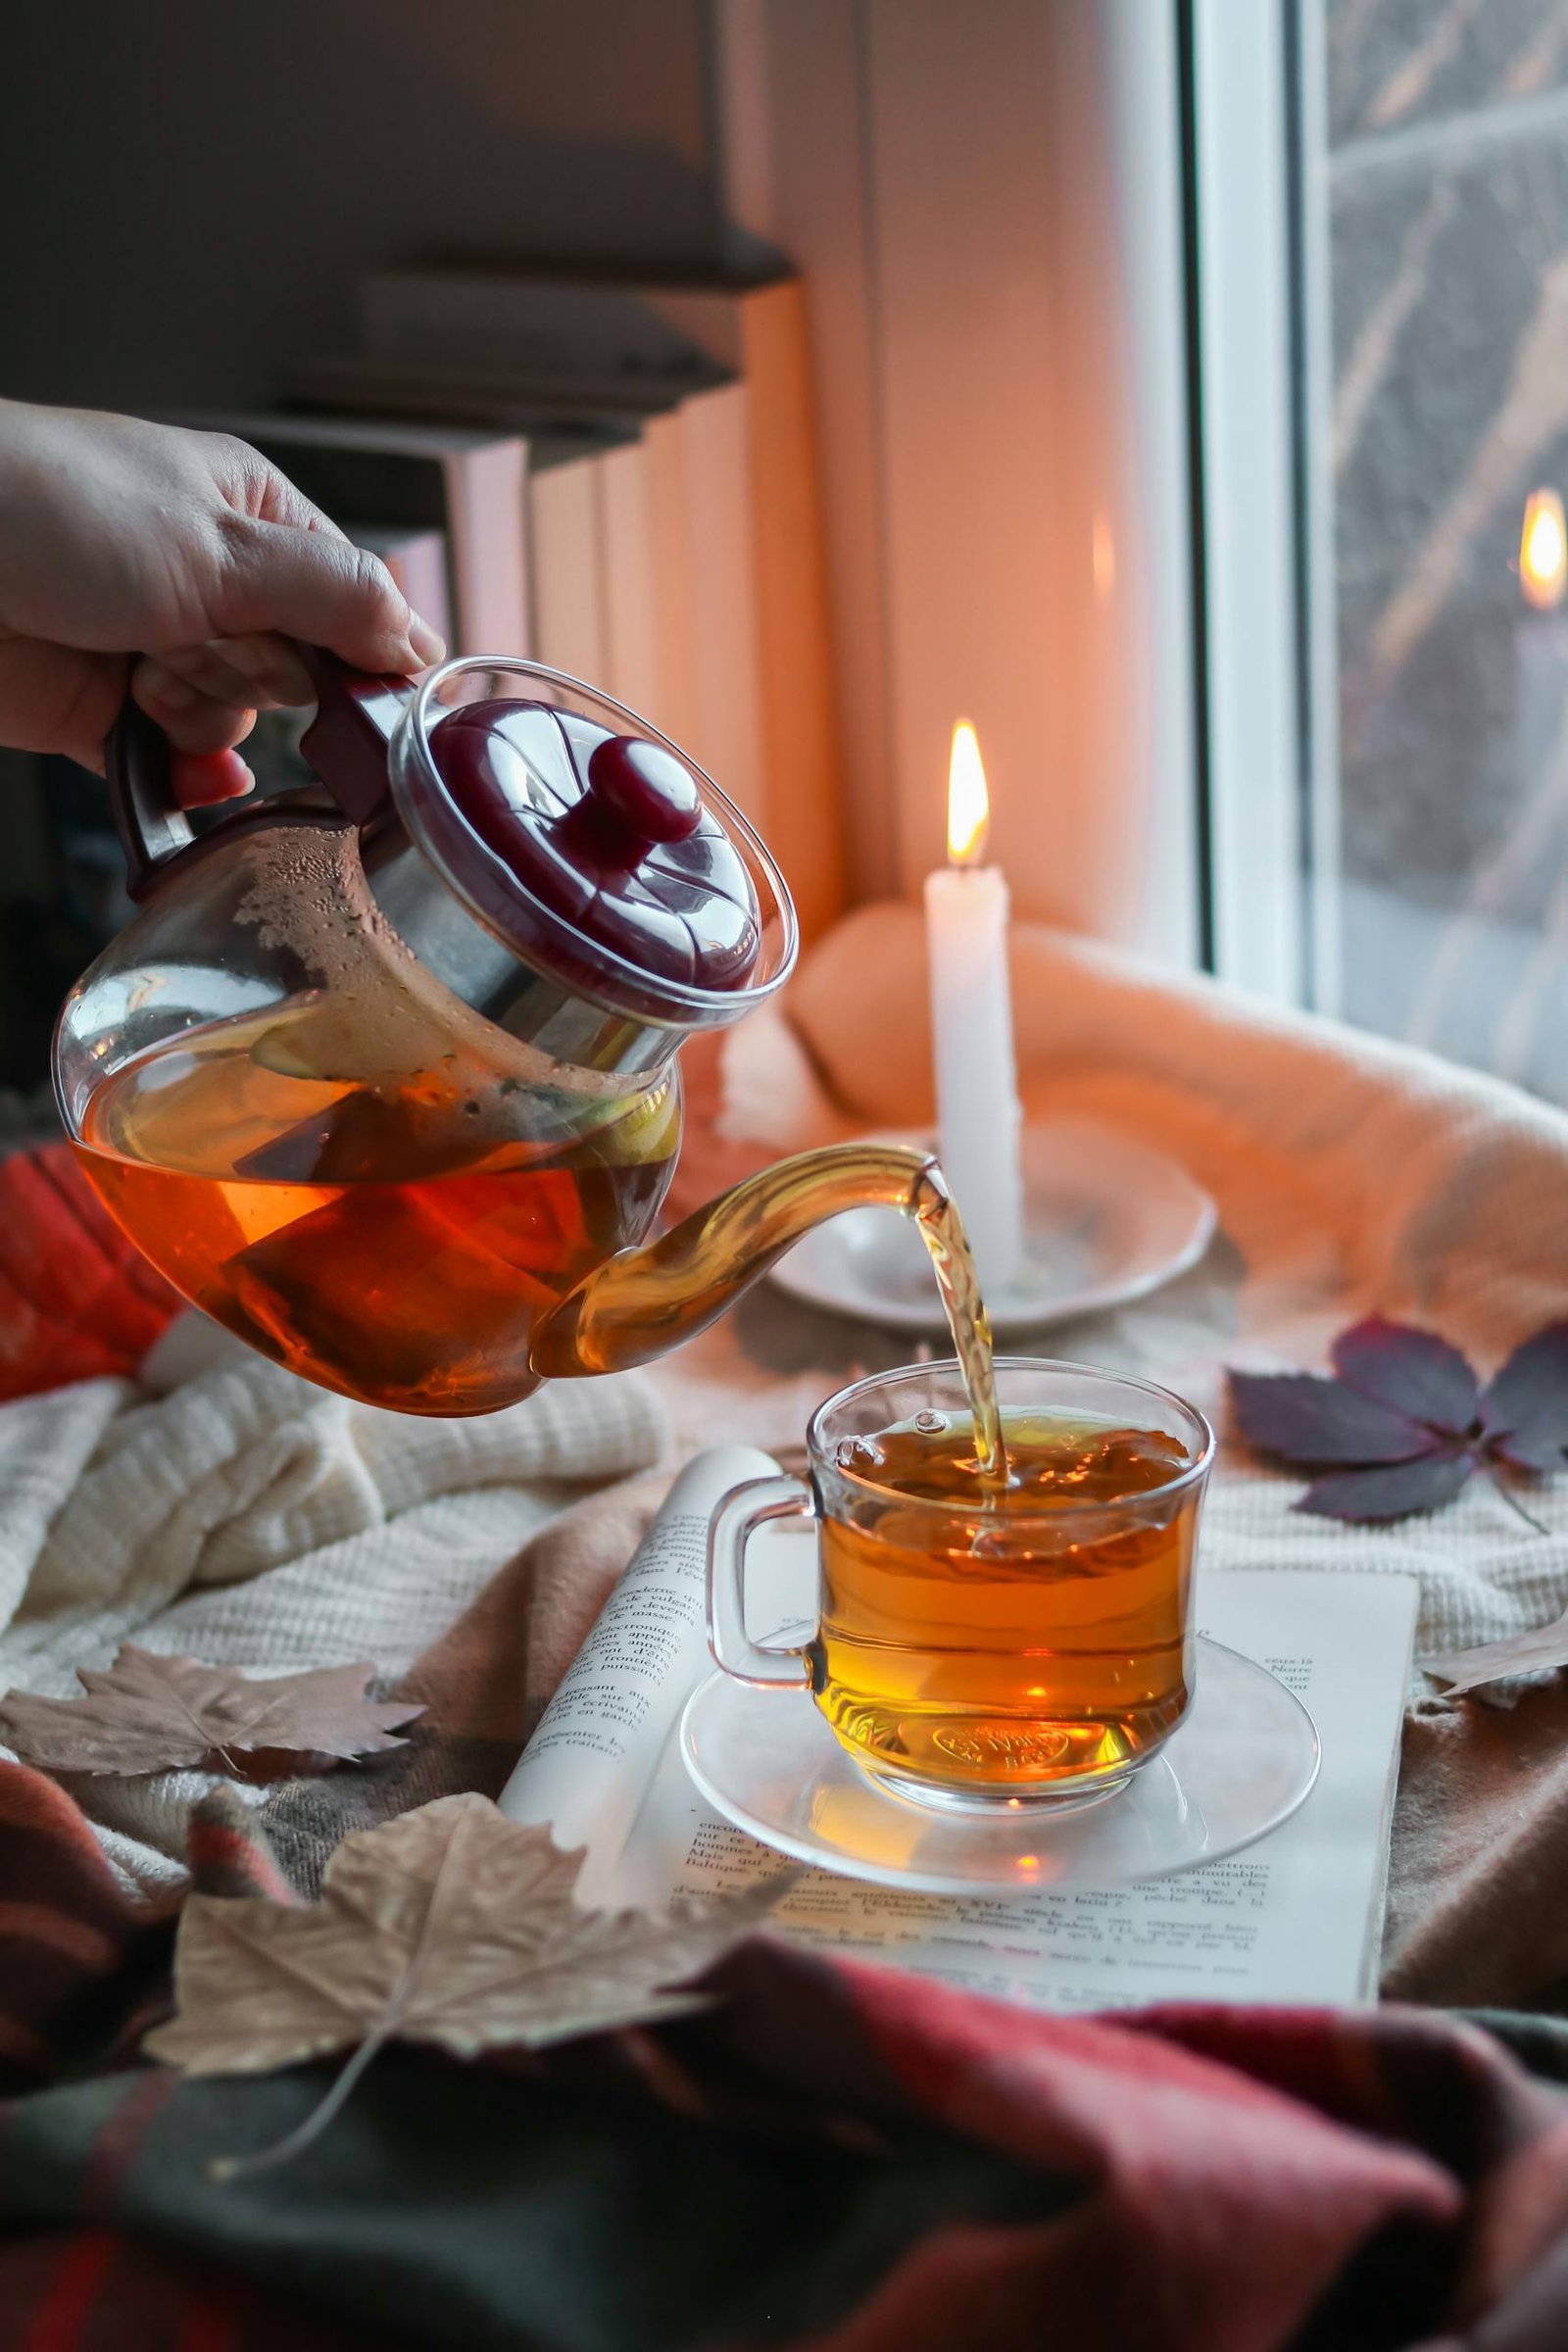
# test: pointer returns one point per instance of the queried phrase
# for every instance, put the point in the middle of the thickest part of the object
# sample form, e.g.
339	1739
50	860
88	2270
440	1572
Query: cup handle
741	1513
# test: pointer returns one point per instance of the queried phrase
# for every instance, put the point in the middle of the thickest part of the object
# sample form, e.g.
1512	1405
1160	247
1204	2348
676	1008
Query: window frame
1257	295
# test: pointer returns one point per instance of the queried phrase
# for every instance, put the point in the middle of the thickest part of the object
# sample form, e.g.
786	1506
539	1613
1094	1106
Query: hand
180	562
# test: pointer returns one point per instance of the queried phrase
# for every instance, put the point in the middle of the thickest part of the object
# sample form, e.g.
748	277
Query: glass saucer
1242	1763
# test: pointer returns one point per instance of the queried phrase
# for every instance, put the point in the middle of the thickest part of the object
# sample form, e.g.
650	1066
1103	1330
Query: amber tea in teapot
397	1239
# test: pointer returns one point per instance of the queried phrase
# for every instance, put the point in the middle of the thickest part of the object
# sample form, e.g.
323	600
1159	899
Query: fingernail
171	691
424	641
202	779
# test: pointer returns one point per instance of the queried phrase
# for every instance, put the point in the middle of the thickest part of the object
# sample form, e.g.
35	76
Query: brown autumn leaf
1534	1653
451	1926
155	1714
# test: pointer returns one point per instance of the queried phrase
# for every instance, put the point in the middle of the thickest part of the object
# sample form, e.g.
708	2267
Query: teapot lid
593	847
592	855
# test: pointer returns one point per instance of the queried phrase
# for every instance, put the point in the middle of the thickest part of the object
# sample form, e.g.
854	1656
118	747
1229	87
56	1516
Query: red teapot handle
345	743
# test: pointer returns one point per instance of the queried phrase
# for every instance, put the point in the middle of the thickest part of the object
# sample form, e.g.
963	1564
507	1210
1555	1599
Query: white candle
972	1029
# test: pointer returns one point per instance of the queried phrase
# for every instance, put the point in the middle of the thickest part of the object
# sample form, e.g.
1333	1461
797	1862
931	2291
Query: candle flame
968	803
1543	551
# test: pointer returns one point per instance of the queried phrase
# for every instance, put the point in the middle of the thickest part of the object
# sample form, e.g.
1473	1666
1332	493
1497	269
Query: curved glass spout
641	1304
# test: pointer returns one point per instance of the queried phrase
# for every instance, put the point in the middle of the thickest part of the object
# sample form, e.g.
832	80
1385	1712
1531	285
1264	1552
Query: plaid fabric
80	1965
837	2155
85	1966
75	1299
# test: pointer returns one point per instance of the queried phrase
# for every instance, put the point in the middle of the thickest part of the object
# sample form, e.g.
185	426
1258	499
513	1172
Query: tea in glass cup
976	1646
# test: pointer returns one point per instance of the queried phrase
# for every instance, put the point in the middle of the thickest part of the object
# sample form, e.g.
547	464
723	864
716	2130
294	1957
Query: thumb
317	586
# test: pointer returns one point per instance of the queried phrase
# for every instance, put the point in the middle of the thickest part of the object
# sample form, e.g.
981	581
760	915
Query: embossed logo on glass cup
992	1751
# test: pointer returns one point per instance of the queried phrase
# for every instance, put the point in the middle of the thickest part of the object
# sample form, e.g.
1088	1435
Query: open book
1295	1918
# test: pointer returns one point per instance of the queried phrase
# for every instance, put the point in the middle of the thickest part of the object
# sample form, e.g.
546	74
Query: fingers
254	672
206	697
56	700
53	700
194	719
202	779
317	586
204	767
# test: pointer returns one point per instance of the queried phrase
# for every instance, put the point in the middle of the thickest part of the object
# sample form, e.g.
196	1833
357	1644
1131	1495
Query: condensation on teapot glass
333	1156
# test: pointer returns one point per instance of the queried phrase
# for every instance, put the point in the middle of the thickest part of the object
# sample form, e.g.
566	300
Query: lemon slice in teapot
319	1040
648	1131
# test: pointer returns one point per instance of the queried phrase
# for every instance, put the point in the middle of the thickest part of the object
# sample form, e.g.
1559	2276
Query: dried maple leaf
450	1925
153	1714
1403	1422
1534	1653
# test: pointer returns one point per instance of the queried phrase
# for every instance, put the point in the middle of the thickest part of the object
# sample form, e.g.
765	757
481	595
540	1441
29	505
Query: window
1427	273
1285	280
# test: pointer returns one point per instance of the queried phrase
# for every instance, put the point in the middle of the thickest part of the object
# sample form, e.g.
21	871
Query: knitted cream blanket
223	1508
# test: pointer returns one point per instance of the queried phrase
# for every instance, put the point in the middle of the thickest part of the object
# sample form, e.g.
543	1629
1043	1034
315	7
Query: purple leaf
1538	1446
1302	1418
1412	1370
1524	1412
1391	1489
1402	1424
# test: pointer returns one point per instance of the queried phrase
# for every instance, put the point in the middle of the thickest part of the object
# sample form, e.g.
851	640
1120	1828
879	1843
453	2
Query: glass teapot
383	1073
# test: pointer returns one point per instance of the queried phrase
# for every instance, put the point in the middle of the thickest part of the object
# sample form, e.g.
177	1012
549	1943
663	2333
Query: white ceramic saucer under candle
1242	1762
1106	1221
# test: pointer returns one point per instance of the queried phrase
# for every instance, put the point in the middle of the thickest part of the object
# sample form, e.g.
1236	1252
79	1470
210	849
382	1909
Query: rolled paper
587	1767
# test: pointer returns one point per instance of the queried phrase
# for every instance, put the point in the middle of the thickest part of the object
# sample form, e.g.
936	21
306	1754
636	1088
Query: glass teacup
978	1649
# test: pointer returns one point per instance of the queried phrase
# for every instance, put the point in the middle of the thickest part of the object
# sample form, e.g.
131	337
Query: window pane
1434	196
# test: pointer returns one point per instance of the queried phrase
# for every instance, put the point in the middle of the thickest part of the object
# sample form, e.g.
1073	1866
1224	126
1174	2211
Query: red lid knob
644	789
609	831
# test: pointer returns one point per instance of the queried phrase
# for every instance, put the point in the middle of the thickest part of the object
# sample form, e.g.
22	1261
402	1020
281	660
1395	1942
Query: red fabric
1232	2180
1252	2177
96	2290
81	1964
1235	2162
76	1300
1193	2160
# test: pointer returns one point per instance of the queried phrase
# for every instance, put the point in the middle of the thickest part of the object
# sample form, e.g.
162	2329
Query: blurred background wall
190	188
982	199
190	192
